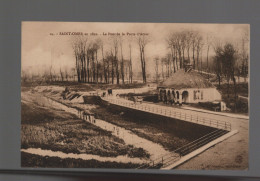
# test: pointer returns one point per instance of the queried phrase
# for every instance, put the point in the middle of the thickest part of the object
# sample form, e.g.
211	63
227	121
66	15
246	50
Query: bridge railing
165	160
173	114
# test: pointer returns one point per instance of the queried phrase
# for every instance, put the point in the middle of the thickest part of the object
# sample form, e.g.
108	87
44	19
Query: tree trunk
198	59
173	59
218	80
208	61
130	67
97	66
88	67
193	56
228	88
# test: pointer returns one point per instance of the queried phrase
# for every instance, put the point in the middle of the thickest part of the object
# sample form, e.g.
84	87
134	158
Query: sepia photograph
135	95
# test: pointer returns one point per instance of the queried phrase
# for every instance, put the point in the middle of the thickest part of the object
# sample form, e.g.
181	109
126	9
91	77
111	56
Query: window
198	94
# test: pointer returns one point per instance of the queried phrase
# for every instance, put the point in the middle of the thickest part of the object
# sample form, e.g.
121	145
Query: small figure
109	91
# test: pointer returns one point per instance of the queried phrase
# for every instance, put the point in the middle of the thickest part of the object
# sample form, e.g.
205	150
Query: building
187	86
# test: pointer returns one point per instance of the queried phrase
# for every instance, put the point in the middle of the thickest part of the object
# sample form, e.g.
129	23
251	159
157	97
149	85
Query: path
185	115
239	116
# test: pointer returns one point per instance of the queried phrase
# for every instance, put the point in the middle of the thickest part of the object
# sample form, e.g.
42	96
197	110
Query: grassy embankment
228	97
32	160
60	131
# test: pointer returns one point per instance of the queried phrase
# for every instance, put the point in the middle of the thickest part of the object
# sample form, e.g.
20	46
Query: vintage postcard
135	95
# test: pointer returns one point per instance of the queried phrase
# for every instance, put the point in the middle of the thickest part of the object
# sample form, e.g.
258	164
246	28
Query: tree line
111	61
188	47
112	66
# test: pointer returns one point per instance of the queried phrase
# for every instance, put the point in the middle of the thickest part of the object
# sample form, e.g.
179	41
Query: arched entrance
177	96
169	97
185	96
164	96
161	95
173	97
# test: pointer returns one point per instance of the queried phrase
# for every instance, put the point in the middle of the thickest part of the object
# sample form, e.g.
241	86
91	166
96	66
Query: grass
32	160
238	106
60	131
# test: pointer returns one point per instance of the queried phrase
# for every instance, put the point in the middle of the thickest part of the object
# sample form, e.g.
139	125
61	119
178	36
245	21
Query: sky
44	43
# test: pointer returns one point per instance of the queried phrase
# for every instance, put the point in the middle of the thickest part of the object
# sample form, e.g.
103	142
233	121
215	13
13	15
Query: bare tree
199	45
96	47
115	62
130	64
171	41
122	60
66	74
51	73
245	54
189	35
61	75
162	67
208	44
142	42
104	62
156	61
194	39
79	44
167	64
183	41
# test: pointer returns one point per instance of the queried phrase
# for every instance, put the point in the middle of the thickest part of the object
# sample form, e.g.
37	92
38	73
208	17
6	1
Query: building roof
182	79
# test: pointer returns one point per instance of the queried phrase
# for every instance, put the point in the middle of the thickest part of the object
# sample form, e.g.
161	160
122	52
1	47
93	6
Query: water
41	152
